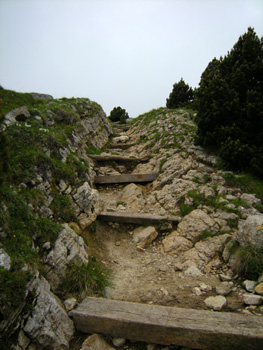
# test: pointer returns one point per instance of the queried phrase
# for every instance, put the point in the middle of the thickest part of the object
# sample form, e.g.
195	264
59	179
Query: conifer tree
230	116
181	95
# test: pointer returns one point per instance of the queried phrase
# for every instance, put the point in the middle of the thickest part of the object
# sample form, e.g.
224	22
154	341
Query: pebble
118	342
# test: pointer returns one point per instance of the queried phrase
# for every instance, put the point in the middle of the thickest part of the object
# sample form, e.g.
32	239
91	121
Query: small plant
63	208
90	277
252	262
185	209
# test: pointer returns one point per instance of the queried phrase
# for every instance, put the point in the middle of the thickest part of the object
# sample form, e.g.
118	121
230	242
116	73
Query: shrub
118	114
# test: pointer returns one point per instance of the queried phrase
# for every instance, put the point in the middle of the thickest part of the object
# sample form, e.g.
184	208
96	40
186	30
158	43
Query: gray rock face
5	260
89	204
250	231
49	325
18	114
69	247
175	242
195	223
38	96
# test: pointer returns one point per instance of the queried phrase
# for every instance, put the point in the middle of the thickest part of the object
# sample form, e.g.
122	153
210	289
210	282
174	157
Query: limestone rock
69	247
252	299
251	199
194	224
175	242
133	196
144	236
216	303
95	342
18	114
38	96
49	325
224	288
193	271
249	286
70	304
5	260
250	231
90	204
259	288
209	247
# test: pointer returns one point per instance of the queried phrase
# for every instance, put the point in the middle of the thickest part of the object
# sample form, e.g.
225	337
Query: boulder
252	299
49	325
90	204
144	236
249	286
216	303
195	223
132	195
224	288
38	96
209	247
175	242
250	231
69	247
18	114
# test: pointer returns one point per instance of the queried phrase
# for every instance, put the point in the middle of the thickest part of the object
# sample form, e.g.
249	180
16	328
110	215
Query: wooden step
118	158
125	178
120	145
199	329
122	127
136	218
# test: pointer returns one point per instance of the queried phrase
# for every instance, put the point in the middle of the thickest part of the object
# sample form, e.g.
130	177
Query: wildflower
14	236
260	227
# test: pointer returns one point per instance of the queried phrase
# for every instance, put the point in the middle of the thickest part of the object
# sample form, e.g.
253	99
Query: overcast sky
126	53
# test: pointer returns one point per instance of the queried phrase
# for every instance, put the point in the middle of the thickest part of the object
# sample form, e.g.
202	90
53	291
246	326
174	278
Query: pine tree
230	116
181	95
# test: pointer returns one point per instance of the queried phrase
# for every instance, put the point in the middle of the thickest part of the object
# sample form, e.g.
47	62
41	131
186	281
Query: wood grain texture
199	329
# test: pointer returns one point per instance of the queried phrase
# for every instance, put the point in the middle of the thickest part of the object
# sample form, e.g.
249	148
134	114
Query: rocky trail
157	264
186	259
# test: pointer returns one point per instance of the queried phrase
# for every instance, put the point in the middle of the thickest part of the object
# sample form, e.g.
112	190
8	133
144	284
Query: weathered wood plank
122	127
134	218
125	178
117	158
120	145
199	329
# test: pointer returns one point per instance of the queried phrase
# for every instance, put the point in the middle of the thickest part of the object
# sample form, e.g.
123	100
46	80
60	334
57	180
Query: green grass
90	277
252	262
246	182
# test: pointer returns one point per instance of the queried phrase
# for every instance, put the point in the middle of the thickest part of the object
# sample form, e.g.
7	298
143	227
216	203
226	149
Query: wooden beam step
135	218
117	158
120	145
125	178
199	329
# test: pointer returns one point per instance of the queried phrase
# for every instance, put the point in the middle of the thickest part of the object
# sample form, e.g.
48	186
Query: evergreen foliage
230	114
118	114
181	95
